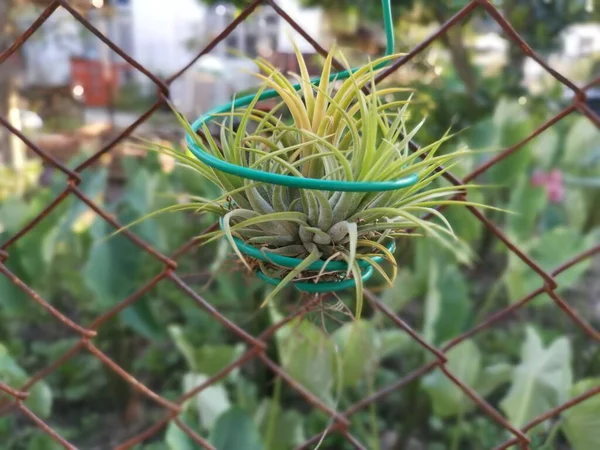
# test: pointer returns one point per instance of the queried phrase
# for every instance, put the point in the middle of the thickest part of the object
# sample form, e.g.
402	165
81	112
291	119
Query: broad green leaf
401	292
308	355
448	305
464	362
13	300
142	191
235	430
541	381
36	250
13	213
527	202
492	377
80	217
210	402
550	250
177	439
581	423
11	374
210	359
183	345
41	441
481	135
393	341
280	429
583	139
576	207
206	359
466	226
359	346
142	319
545	147
111	270
511	125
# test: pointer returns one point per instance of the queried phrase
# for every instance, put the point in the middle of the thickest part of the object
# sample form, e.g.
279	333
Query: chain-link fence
258	344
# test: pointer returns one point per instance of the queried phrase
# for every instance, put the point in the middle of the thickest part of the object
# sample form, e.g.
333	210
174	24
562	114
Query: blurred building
65	54
581	40
227	70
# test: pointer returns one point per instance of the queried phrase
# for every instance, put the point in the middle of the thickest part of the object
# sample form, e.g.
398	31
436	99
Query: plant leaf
464	361
177	439
359	345
288	432
235	430
210	403
581	423
492	377
308	355
448	306
11	374
541	381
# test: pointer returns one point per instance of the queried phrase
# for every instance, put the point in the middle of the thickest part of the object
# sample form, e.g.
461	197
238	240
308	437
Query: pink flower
552	182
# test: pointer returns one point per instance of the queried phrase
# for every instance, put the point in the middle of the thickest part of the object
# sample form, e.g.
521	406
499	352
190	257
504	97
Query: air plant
341	131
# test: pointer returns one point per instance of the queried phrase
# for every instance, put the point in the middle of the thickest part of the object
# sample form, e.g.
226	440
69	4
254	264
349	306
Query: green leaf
557	245
541	381
210	402
582	140
464	361
183	345
12	299
41	441
581	423
111	270
466	226
177	439
527	202
359	346
393	341
80	217
492	377
142	319
206	359
287	429
40	395
512	124
13	213
235	430
545	147
308	355
448	306
397	296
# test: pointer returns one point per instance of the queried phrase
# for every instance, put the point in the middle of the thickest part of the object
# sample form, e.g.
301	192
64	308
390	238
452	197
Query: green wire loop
322	286
365	266
293	181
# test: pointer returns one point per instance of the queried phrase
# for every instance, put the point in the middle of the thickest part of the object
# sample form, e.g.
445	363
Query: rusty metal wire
257	345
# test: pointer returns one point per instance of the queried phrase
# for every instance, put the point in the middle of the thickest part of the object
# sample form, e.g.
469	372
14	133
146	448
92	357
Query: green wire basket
300	182
311	287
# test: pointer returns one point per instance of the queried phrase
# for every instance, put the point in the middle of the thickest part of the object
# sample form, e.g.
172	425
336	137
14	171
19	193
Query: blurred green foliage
166	341
521	367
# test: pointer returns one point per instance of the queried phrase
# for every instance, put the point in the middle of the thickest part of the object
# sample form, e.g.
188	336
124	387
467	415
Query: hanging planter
319	202
334	281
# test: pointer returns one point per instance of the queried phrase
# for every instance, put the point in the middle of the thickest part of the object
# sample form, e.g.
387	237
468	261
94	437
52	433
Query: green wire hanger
292	181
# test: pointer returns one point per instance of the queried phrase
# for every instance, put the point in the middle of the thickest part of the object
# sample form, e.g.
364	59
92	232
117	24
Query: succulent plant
340	130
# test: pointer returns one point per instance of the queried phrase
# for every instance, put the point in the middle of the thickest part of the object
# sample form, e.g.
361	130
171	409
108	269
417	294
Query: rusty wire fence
258	344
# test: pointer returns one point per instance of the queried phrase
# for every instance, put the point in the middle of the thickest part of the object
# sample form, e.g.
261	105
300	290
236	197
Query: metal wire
258	345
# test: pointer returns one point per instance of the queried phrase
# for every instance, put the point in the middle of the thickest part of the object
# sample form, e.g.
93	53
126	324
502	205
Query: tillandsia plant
339	130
